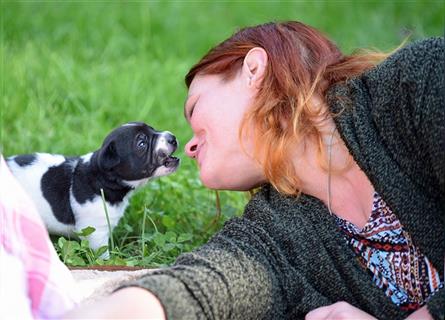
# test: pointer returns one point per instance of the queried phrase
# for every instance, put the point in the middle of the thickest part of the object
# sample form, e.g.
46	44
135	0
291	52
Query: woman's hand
127	303
338	311
420	314
343	310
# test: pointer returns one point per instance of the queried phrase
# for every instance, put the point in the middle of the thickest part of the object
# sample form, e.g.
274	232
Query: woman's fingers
338	311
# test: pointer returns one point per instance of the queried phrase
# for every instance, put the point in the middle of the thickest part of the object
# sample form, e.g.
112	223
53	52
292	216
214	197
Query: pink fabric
50	286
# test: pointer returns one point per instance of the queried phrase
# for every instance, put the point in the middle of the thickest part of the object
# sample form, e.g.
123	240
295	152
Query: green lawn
71	72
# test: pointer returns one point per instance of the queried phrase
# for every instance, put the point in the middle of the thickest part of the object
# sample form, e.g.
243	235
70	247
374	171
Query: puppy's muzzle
165	147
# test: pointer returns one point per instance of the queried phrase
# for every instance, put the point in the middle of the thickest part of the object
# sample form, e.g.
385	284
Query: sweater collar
352	108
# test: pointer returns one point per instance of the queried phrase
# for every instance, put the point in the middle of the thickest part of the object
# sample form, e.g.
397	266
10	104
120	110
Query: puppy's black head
135	152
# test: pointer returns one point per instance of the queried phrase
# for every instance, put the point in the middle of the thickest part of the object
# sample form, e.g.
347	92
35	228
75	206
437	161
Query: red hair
302	62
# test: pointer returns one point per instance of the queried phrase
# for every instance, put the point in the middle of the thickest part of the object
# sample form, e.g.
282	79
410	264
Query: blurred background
73	71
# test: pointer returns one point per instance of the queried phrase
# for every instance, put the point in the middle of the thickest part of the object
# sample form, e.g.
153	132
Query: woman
348	222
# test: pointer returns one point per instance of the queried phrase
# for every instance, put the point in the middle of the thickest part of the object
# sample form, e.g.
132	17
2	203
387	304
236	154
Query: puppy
67	190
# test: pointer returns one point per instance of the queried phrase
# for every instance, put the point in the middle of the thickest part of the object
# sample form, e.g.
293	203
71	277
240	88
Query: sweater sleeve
233	276
413	80
243	272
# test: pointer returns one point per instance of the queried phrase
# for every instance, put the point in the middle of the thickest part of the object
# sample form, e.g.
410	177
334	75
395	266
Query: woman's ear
254	66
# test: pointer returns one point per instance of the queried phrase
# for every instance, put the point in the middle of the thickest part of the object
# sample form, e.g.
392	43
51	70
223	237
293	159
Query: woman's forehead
204	82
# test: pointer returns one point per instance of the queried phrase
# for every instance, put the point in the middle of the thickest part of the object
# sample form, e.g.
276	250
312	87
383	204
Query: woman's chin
216	183
235	181
211	183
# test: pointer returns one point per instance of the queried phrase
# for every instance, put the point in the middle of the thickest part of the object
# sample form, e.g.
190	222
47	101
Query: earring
250	80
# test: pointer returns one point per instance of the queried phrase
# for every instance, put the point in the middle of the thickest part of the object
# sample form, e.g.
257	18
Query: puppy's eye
141	144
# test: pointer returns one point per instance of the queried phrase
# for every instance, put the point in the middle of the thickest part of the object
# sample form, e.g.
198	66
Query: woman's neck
350	193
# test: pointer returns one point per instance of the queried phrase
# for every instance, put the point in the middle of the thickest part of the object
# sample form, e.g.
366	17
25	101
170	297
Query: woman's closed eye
191	101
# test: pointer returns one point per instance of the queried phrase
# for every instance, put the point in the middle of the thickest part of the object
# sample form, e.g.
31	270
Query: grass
72	71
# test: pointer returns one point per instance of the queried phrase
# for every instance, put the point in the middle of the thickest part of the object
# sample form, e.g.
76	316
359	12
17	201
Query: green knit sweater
286	256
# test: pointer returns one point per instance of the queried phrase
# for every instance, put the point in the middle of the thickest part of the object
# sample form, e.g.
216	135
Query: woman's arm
243	272
236	275
127	303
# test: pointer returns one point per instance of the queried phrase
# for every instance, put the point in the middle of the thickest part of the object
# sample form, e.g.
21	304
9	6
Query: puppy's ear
108	157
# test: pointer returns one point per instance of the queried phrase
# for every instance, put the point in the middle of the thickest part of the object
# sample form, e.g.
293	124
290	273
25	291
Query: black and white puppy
67	190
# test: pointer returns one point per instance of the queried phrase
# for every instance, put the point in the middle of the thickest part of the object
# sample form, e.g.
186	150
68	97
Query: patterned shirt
387	251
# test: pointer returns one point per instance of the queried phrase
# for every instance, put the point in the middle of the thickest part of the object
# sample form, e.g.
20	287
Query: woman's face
215	109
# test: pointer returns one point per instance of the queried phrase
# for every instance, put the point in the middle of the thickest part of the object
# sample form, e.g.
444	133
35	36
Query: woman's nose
191	147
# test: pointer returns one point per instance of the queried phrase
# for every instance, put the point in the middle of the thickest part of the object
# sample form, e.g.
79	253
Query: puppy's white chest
92	214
